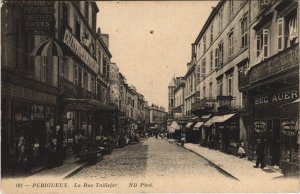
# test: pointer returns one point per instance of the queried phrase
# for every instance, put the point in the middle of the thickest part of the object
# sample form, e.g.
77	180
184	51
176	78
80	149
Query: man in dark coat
260	153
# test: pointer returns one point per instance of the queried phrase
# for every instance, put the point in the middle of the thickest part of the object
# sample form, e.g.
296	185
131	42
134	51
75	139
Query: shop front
275	120
27	122
222	132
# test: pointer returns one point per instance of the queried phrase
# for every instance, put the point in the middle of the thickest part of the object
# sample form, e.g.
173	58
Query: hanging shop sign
13	91
277	97
259	126
78	49
39	17
290	127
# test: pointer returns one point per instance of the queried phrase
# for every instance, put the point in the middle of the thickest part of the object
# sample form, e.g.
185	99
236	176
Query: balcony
67	88
204	105
284	61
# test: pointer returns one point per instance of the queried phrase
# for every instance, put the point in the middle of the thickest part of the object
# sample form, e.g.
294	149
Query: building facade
217	68
178	110
272	83
50	77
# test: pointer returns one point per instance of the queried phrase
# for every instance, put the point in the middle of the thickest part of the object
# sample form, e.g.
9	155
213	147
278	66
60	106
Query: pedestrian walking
260	154
60	135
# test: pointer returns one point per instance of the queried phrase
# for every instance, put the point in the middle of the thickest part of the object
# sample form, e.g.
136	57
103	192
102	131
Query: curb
73	172
209	161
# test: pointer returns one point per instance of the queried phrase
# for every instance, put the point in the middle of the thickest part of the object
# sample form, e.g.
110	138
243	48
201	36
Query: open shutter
258	45
198	74
266	43
281	35
216	58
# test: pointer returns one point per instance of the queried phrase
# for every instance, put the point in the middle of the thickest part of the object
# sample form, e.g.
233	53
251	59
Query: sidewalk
241	169
68	169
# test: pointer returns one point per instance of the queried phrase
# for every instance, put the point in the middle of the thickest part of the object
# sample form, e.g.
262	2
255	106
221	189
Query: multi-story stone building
171	96
221	51
178	110
272	83
51	76
114	85
157	118
189	89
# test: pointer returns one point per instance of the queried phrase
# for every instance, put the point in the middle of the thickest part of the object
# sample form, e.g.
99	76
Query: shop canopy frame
219	119
198	125
87	105
189	125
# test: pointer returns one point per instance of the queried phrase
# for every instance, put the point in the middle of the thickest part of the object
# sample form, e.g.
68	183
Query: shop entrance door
276	142
38	141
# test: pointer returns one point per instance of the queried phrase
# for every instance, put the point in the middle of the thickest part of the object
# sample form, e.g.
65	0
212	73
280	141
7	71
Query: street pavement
167	167
151	158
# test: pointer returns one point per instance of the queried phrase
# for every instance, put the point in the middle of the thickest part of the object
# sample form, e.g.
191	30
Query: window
266	43
204	43
211	61
203	69
198	74
94	21
281	38
80	83
105	69
216	57
262	45
65	14
211	33
75	75
231	7
77	30
230	85
85	80
221	54
287	34
230	38
220	20
86	10
220	87
210	90
192	83
244	30
204	94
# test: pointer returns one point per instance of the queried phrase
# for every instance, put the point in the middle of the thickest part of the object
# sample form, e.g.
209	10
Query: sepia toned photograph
150	96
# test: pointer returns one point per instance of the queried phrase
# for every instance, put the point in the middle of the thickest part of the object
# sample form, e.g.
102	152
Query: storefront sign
259	126
39	17
13	91
290	127
78	49
281	62
277	97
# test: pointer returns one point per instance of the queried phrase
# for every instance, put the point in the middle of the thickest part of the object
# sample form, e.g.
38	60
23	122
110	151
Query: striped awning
49	47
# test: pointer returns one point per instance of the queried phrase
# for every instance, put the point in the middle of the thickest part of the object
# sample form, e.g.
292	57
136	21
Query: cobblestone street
151	158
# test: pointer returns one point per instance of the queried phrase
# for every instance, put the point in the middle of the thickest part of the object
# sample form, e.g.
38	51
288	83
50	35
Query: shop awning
224	118
211	121
50	47
198	125
87	105
206	116
189	125
174	126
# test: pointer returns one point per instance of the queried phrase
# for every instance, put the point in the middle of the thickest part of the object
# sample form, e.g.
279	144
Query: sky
151	41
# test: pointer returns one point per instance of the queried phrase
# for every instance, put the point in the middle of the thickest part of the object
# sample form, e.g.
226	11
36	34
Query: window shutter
258	45
216	58
281	34
198	74
266	43
76	75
